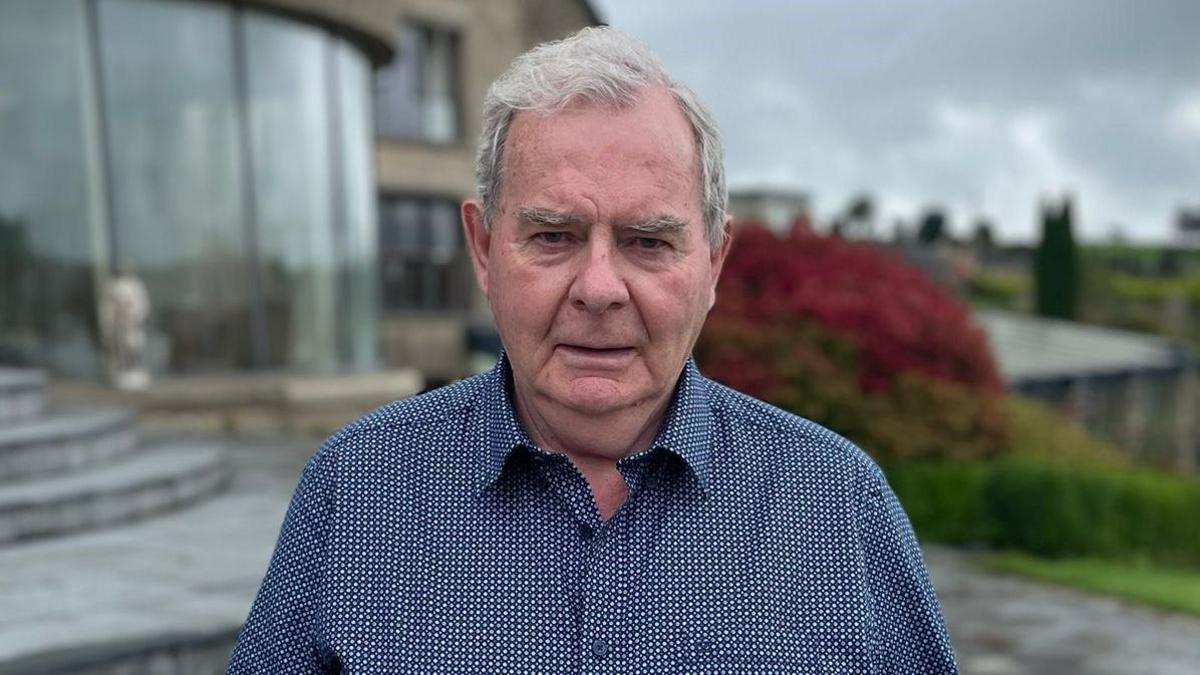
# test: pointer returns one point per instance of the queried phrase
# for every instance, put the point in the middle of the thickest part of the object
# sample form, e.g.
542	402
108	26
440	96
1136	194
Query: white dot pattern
432	536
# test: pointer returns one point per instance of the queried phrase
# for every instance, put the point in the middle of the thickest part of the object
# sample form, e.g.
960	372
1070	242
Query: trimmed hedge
1054	509
944	500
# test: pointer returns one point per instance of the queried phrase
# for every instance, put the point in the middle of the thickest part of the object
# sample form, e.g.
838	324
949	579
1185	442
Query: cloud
981	107
1184	118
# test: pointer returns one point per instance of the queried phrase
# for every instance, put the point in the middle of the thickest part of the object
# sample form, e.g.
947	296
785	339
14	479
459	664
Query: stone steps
64	441
22	394
73	469
156	480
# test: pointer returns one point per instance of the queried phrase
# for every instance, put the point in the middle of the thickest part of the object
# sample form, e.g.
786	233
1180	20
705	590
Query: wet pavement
196	571
1003	625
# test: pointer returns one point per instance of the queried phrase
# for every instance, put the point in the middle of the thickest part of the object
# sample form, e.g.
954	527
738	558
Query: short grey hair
600	66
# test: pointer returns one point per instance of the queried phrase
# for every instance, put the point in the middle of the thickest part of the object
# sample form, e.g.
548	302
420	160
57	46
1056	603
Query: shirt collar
504	432
686	431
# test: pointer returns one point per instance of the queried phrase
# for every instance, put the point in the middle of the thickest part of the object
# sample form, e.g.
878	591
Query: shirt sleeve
280	634
908	631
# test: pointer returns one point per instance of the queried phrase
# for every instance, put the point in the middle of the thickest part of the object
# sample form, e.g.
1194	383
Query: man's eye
551	237
650	243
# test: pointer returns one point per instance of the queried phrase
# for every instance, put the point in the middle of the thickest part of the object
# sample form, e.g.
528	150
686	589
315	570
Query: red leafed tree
856	339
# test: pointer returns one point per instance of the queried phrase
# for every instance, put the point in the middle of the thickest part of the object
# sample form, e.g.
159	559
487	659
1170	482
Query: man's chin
594	395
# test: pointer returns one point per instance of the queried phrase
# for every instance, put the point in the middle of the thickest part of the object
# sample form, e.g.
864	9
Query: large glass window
417	95
51	227
176	175
222	154
313	188
289	140
421	254
361	264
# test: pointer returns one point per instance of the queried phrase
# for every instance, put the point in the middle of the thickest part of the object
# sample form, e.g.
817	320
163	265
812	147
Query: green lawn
1176	590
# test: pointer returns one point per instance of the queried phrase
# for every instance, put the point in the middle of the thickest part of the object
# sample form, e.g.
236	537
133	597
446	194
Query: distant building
777	208
1187	227
1138	391
283	175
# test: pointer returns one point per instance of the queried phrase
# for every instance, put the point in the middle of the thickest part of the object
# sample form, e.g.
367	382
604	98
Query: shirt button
599	648
586	532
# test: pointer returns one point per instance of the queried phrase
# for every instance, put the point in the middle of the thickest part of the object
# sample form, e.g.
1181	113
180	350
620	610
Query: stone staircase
70	469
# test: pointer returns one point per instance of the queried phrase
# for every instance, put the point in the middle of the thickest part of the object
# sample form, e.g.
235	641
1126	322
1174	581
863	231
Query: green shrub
1004	290
921	418
1059	510
1050	510
1054	509
944	500
1037	431
1145	289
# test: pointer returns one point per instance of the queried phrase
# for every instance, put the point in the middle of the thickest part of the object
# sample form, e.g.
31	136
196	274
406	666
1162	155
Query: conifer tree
1055	264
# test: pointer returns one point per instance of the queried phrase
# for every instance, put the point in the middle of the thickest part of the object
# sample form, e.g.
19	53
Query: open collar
686	430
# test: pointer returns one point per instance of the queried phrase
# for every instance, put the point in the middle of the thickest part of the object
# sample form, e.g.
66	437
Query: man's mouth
596	356
595	348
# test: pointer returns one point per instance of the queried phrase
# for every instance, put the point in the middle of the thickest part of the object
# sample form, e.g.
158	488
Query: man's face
597	268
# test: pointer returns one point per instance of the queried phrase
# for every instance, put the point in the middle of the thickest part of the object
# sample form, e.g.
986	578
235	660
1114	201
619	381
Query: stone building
283	175
777	208
1138	391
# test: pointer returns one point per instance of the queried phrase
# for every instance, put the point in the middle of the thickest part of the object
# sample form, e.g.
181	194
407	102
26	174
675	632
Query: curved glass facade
51	234
292	176
221	154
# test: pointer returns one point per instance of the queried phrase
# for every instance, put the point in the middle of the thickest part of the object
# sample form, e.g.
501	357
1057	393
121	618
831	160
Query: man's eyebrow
660	225
535	216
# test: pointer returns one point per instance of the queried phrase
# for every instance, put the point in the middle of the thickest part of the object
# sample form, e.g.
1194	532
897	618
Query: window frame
455	285
421	39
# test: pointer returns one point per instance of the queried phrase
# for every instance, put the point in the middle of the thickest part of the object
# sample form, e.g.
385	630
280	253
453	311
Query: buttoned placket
569	488
607	586
601	588
596	638
601	596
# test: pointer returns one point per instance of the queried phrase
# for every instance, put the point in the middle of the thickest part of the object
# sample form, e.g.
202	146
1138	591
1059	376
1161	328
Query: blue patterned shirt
433	536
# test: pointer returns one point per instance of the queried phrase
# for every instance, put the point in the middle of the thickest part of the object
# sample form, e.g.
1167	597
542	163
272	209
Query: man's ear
478	240
717	259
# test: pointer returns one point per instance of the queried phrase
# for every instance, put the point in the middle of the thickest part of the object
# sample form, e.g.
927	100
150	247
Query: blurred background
967	237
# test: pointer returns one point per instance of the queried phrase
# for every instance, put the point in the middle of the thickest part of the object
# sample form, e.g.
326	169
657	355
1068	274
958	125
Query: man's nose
598	286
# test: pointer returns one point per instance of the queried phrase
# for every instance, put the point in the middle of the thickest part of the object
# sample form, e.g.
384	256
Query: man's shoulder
782	437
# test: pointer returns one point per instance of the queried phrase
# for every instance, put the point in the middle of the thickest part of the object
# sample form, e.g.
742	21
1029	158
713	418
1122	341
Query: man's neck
593	443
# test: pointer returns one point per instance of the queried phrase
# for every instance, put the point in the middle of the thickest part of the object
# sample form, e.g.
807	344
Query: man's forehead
563	129
642	158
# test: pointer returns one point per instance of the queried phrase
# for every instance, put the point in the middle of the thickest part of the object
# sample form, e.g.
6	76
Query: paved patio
1005	625
190	573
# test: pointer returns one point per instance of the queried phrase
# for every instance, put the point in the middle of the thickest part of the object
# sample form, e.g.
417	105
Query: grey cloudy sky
979	107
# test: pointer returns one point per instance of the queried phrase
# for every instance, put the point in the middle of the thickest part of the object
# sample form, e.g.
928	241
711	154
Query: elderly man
593	504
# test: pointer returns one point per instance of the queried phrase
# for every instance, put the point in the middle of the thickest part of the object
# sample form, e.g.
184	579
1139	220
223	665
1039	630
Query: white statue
124	307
